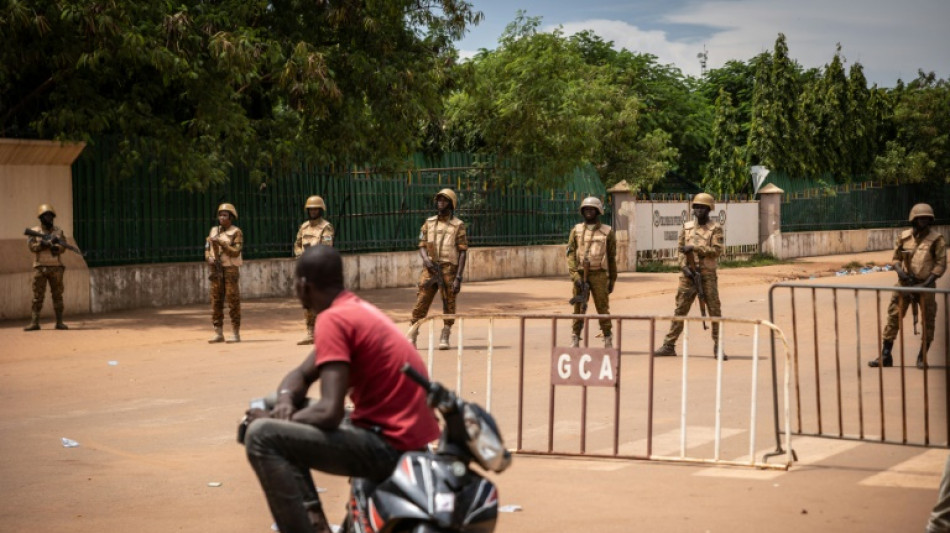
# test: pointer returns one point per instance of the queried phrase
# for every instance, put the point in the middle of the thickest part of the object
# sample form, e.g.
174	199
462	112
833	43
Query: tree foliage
919	150
192	87
547	103
727	171
775	129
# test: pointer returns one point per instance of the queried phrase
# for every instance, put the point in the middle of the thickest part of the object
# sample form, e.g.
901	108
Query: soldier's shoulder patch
328	238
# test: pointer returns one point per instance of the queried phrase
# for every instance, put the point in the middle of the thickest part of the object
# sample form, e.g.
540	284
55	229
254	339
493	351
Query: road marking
811	450
920	472
668	444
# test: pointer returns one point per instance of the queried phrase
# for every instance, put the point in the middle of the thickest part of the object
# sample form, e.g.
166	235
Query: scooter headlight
484	439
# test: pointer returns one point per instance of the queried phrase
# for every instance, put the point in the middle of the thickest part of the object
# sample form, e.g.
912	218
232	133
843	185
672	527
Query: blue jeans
283	453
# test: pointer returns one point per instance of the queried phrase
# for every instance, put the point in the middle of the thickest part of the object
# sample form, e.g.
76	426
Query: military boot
575	340
235	335
444	338
667	350
218	335
34	322
413	336
716	353
608	341
308	339
59	320
921	364
886	359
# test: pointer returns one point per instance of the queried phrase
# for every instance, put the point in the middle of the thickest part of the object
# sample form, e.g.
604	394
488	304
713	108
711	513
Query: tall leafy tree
737	78
920	149
669	101
727	171
193	87
829	134
862	123
543	105
774	133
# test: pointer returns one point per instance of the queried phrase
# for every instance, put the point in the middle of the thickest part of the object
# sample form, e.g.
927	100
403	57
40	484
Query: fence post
770	221
625	226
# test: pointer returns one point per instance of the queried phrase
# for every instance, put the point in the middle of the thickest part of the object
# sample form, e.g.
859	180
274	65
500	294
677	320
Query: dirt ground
154	408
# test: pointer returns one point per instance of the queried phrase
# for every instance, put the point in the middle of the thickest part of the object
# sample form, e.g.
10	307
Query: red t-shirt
358	333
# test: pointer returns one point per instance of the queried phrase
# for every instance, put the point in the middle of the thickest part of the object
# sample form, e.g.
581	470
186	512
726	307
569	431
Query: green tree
775	139
737	78
920	148
828	132
668	101
542	107
727	171
192	88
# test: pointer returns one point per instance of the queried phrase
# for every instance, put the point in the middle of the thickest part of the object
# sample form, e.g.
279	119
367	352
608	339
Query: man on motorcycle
359	351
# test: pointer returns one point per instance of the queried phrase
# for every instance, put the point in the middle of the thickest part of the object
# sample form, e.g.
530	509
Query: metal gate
622	402
831	349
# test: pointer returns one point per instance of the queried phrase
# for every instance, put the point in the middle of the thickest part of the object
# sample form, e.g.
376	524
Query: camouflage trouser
685	296
310	318
426	294
598	290
53	275
899	307
228	287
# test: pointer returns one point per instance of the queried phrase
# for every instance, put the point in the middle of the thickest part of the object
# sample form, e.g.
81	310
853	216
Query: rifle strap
588	243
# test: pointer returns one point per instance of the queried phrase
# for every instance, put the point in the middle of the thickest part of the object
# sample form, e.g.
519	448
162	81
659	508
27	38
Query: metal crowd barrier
527	348
917	400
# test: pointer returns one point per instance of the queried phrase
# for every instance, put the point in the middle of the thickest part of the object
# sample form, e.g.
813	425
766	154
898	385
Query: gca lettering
580	366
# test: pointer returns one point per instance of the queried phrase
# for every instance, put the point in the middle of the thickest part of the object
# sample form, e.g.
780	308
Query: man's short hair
322	266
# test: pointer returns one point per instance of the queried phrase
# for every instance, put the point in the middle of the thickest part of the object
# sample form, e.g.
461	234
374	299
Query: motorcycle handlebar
416	376
438	396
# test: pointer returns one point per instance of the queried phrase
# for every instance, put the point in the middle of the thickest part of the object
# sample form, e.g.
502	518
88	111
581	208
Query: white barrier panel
558	400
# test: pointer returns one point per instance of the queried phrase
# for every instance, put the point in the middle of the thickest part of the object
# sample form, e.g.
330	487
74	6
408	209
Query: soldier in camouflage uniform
443	246
316	231
704	238
223	254
47	267
595	244
920	257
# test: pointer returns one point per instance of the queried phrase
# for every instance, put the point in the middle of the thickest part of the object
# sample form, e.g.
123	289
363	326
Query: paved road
154	409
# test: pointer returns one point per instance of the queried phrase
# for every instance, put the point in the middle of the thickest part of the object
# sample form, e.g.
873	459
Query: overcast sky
891	38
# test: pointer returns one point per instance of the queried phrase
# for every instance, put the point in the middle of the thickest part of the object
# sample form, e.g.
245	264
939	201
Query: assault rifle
584	293
698	283
436	280
909	279
52	239
216	253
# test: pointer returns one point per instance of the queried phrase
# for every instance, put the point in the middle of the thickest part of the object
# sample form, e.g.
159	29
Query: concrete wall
814	243
34	173
169	284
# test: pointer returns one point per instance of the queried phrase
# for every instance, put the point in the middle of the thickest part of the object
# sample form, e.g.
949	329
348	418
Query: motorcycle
435	491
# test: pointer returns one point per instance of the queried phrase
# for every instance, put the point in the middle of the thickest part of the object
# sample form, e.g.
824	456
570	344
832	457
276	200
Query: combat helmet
592	201
921	210
45	208
450	194
315	202
229	208
704	199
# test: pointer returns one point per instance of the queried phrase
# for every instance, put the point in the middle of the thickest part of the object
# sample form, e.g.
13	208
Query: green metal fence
138	220
806	206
